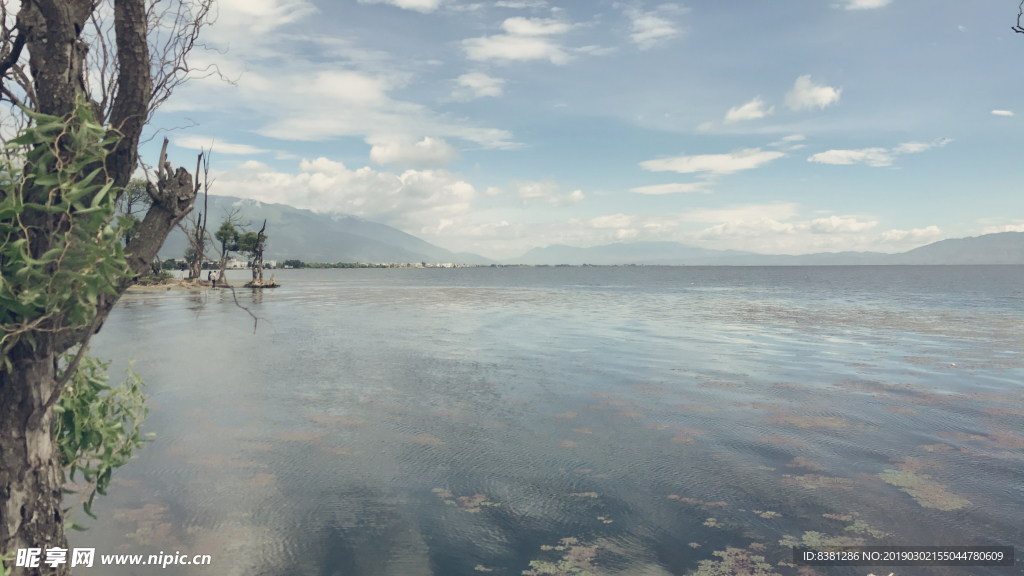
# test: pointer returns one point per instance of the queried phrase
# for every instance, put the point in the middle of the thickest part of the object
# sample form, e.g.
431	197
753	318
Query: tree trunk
30	464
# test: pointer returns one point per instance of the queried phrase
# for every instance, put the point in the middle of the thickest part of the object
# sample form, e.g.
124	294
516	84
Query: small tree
253	243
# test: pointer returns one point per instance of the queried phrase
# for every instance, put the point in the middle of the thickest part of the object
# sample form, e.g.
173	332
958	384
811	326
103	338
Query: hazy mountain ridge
999	248
305	235
311	237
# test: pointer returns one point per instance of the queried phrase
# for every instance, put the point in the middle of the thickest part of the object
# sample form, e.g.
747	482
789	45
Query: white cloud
408	200
649	29
526	39
546	193
427	153
713	163
742	213
871	156
806	94
1002	113
521	4
698	187
750	111
787	143
535	26
424	6
840	225
917	234
866	4
915	147
612	221
216	146
1003	228
877	157
478	85
310	100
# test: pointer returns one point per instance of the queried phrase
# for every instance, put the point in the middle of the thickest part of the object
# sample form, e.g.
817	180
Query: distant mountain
1000	248
305	235
667	253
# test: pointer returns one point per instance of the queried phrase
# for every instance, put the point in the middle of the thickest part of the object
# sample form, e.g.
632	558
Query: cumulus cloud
650	29
1002	113
408	200
871	156
612	221
713	163
698	187
217	146
424	6
477	85
866	4
427	153
750	111
525	39
807	94
547	193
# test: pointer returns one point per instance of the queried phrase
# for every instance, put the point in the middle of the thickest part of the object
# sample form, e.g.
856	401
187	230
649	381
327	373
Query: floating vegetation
681	438
583	470
1007	439
712	523
808	421
768	514
583	430
605	520
815	481
687	500
840	517
735	562
471	504
936	447
694	545
776	439
567	444
801	462
566	415
896	410
602	395
302	436
715	504
482	568
927	493
819	540
577	560
862	527
426	439
584	494
629	414
763	467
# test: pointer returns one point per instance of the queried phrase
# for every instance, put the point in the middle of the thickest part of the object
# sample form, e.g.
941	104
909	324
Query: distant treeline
301	264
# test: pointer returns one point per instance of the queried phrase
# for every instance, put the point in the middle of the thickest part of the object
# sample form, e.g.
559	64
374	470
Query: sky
497	126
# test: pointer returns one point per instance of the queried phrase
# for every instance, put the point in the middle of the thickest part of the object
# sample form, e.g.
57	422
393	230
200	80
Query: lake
603	420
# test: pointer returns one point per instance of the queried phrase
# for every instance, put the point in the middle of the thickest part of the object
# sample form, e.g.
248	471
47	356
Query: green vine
59	246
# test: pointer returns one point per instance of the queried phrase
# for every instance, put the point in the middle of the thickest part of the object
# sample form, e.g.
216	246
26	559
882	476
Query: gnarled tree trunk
30	464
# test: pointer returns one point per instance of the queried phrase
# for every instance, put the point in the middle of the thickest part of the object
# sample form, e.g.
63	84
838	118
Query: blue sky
495	127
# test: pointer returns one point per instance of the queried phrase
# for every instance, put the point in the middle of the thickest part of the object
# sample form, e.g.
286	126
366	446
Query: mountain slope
312	237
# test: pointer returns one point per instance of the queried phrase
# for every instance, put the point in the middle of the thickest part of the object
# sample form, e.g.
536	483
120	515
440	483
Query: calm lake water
414	422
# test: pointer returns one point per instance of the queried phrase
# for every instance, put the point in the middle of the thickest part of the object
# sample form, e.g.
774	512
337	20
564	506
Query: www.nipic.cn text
85	557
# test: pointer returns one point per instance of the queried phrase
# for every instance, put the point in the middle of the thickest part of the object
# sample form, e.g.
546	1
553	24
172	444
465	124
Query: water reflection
406	424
